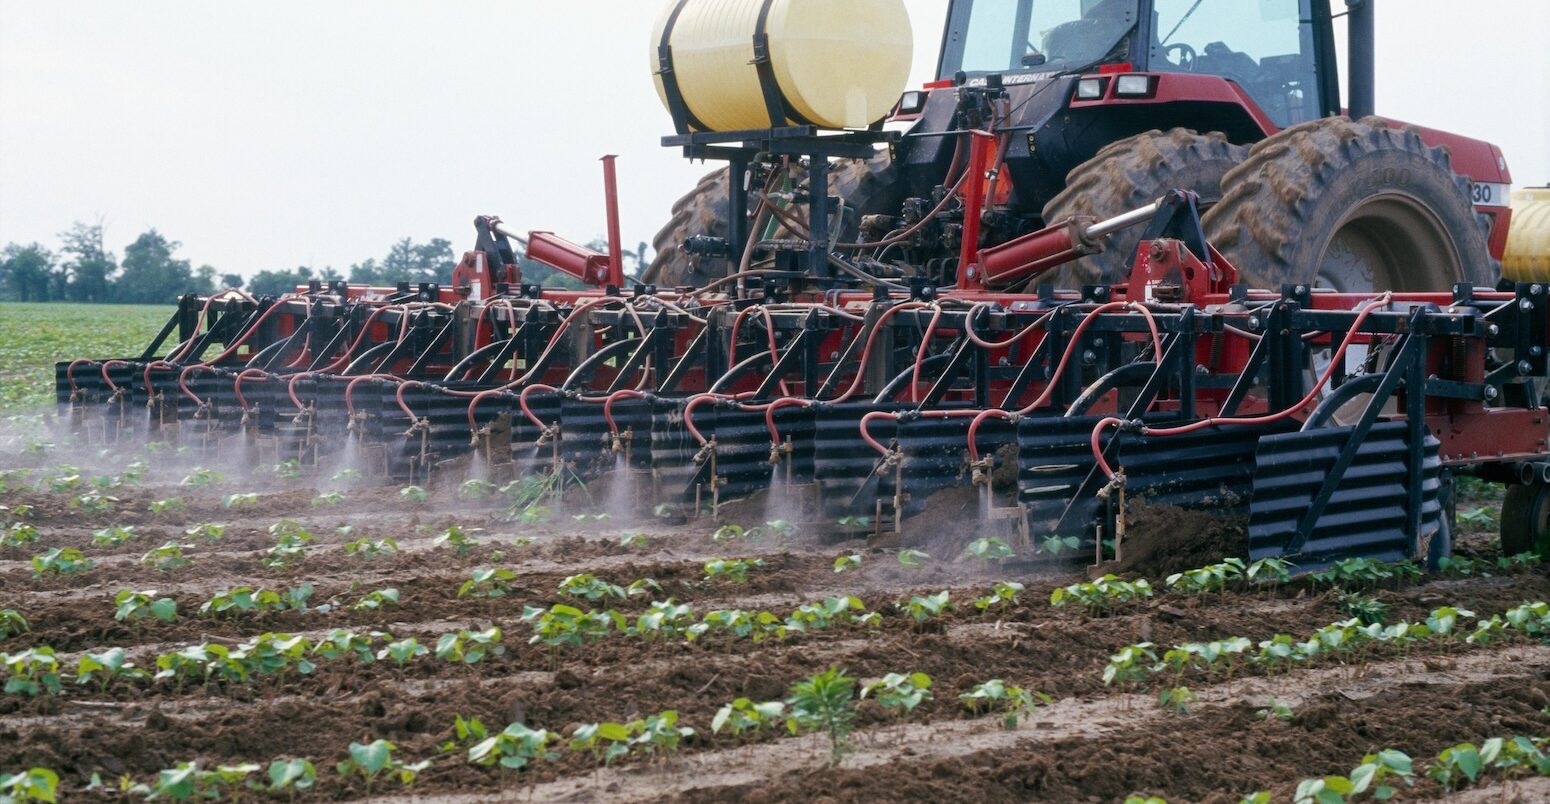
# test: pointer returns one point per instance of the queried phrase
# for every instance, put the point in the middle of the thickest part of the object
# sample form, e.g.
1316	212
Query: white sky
284	132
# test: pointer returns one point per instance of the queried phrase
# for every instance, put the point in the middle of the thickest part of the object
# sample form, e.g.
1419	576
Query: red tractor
1103	105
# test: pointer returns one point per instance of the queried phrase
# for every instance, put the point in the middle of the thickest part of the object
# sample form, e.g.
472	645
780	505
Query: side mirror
1034	59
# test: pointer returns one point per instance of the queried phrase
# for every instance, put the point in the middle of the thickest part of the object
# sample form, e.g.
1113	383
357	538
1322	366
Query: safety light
1133	86
912	103
1089	89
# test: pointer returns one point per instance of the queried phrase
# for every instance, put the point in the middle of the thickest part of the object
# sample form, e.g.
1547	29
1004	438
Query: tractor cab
1272	50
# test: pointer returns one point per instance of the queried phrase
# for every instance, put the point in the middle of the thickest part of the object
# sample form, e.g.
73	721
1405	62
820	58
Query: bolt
1089	356
1525	305
1301	289
1494	330
1535	351
1535	290
1490	392
1254	322
834	355
1004	361
1524	367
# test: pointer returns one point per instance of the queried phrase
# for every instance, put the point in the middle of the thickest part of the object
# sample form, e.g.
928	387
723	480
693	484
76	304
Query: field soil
1091	743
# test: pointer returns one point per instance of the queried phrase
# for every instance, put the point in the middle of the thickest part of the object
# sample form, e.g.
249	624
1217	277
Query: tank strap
774	99
683	117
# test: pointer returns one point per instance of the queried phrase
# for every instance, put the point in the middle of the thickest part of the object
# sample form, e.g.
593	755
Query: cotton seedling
828	612
855	522
201	478
824	703
94	503
342	642
1270	571
899	693
1275	710
113	537
33	784
402	652
206	531
846	563
1370	777
910	558
166	558
1013	702
469	647
297	597
369	760
487	582
240	500
989	549
457	538
377	600
1210	578
1056	545
276	655
590	587
132	606
728	533
61	561
476	489
644	587
1444	620
290	775
241	600
18	534
514	747
634	541
327	498
567	625
167	506
591	518
922	608
1176	700
31	672
775	528
743	715
370	549
605	741
12	623
1131	664
288	469
736	622
1003	593
64	479
1103	595
659	733
414	495
664	618
734	570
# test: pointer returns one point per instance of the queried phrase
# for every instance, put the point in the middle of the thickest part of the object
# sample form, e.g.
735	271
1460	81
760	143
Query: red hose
70	371
237	386
522	402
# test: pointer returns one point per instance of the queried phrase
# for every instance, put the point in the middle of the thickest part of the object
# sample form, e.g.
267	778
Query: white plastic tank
1528	239
839	63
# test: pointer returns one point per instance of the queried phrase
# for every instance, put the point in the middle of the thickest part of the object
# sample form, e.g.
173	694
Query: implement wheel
1355	206
868	187
1131	173
1526	520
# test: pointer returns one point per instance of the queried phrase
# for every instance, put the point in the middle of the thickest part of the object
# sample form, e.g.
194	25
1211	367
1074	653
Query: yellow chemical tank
839	64
1528	241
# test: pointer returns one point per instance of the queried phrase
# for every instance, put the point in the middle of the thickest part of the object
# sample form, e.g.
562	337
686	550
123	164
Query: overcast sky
286	132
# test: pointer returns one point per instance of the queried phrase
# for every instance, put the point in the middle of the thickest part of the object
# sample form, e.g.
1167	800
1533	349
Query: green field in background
35	336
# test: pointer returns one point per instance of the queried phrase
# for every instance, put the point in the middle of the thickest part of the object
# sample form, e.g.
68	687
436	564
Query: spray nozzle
621	441
982	470
707	451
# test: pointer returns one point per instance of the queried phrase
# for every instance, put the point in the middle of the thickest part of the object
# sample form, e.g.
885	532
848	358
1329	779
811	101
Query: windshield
1042	35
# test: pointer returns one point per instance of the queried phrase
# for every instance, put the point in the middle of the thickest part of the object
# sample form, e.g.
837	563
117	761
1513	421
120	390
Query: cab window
1265	46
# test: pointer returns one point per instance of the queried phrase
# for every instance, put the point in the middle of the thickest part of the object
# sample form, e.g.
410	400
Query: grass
35	336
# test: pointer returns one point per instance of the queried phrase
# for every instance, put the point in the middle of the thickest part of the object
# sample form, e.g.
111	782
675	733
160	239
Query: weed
824	703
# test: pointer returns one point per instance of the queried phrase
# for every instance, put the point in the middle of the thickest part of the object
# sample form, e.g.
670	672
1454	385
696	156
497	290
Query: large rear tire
1132	173
1525	520
1356	206
869	187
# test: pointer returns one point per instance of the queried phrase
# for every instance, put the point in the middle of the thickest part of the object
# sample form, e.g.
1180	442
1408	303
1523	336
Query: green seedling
567	625
664	618
1210	578
377	600
515	747
1004	593
113	537
1176	700
605	741
102	668
476	489
289	469
487	582
414	495
403	651
12	623
989	549
1275	710
590	587
922	608
910	558
1057	545
1368	610
644	587
18	534
33	784
61	561
201	478
728	533
327	498
240	500
734	570
469	647
132	606
634	541
94	503
342	642
589	518
241	600
31	672
824	703
166	558
660	732
743	715
291	775
459	539
899	693
372	759
846	563
855	522
1367	778
1013	702
369	549
167	506
1102	595
206	531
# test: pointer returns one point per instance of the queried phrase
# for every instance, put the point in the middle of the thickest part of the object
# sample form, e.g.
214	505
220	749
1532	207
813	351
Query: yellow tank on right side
1528	241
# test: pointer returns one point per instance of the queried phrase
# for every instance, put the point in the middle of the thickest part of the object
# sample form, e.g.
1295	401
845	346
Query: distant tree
205	278
366	272
328	274
231	280
26	272
274	283
90	264
151	274
412	262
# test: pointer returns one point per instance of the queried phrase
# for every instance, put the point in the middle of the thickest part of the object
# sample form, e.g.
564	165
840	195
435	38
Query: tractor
1103	105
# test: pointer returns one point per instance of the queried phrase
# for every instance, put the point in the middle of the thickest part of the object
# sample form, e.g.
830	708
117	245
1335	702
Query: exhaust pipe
1361	32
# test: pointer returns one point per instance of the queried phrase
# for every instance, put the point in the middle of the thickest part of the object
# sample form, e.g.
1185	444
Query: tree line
84	270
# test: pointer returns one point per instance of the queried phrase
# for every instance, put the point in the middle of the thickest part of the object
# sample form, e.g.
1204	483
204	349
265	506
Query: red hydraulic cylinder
611	196
579	261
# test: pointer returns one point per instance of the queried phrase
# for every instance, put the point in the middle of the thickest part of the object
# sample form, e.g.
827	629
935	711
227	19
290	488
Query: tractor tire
869	186
1355	206
1132	173
1525	522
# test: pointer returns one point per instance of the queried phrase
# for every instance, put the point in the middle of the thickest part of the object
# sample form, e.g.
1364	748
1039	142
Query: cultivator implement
1329	424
